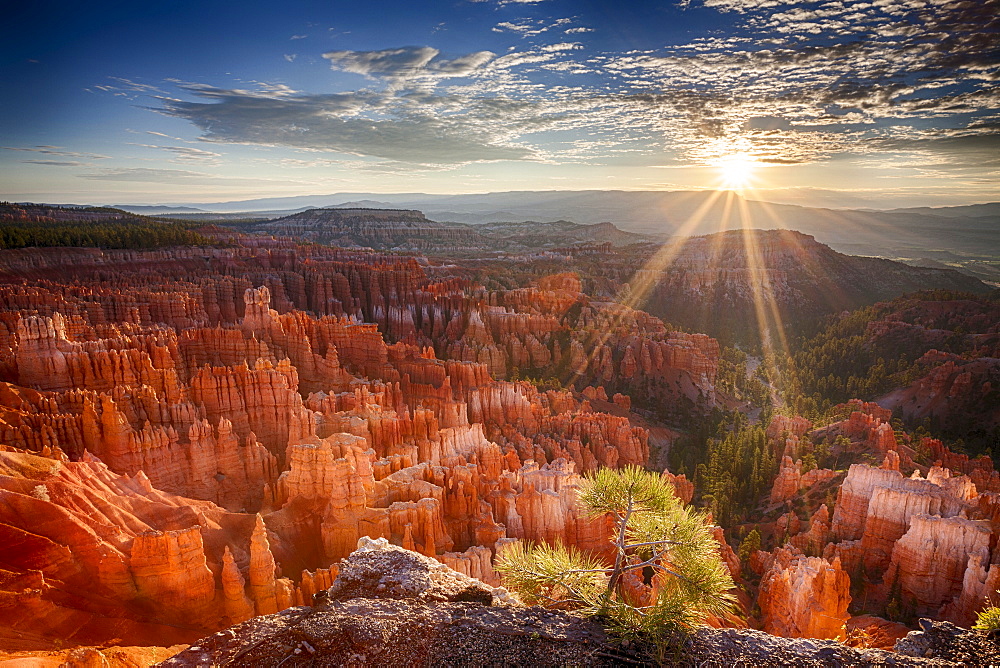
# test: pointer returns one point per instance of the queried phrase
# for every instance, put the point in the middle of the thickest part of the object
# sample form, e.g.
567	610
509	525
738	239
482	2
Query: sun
737	171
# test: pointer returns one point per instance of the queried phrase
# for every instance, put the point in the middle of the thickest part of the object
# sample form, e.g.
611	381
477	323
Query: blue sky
888	101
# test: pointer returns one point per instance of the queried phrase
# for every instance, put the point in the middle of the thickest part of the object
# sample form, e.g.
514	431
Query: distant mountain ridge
967	211
372	228
157	210
725	284
972	229
409	229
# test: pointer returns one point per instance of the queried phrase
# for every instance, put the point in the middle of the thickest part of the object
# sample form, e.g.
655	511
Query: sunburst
736	171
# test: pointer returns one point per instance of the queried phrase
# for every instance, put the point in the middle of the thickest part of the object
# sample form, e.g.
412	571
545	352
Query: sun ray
840	300
756	260
647	277
718	241
785	375
635	292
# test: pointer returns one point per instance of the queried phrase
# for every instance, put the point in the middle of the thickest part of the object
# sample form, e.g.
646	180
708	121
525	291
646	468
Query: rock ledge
390	606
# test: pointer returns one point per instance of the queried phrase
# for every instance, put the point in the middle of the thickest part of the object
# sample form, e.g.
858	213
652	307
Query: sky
874	103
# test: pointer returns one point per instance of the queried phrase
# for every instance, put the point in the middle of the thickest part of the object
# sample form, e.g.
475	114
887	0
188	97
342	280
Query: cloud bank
790	82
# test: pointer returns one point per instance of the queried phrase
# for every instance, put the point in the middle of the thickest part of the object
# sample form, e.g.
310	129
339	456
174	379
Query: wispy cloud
55	150
409	127
501	3
562	46
533	27
837	77
173	176
407	63
187	153
57	163
128	88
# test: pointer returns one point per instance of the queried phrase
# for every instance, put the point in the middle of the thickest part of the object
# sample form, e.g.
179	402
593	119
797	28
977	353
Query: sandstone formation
922	543
89	657
954	341
240	417
410	230
805	597
375	228
791	480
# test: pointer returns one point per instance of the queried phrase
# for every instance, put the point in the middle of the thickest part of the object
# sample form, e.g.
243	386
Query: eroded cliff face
805	597
205	433
955	344
911	540
801	278
88	552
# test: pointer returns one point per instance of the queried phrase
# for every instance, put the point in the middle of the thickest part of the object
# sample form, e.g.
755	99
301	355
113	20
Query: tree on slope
653	532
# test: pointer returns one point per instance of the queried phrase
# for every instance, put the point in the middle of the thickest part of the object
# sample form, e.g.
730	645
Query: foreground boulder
390	606
380	570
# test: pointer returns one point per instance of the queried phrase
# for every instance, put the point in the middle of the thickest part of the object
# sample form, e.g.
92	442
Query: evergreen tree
652	530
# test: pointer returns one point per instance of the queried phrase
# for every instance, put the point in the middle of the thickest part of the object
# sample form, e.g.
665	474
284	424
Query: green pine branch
653	529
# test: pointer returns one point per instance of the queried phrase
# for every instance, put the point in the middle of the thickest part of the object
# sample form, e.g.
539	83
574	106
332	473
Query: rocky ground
392	607
943	644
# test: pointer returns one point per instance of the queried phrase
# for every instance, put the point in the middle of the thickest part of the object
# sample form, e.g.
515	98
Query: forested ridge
24	226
